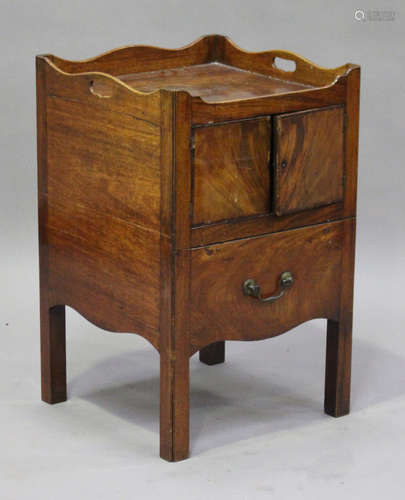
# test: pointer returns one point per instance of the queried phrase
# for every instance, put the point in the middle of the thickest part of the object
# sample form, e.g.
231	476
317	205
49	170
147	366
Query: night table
194	196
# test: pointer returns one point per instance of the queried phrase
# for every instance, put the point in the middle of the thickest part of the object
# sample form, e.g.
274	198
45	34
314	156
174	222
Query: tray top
213	82
212	69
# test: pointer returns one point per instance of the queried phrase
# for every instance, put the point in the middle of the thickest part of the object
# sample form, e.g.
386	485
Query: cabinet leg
213	354
174	406
338	367
53	354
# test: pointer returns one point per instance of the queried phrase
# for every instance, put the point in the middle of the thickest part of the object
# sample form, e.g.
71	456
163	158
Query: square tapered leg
53	354
174	407
338	368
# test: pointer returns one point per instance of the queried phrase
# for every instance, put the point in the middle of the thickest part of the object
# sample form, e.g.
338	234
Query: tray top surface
213	82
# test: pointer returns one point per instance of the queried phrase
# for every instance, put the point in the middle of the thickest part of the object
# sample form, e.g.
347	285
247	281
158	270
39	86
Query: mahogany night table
194	196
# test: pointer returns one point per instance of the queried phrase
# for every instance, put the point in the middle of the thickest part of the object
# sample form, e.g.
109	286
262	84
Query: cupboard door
308	159
231	170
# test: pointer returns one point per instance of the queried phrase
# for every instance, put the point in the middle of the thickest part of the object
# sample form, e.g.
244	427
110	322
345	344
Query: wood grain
174	332
141	58
119	193
209	48
259	225
231	170
352	140
118	97
52	319
264	62
213	69
220	310
339	334
105	268
205	112
308	160
213	82
99	204
94	152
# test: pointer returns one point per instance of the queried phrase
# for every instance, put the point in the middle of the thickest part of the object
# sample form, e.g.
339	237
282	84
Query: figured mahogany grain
231	170
94	152
308	159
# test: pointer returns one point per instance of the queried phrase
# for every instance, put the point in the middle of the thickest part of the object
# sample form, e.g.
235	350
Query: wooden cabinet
195	196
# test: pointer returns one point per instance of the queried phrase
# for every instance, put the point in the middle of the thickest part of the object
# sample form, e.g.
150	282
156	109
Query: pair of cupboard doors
273	164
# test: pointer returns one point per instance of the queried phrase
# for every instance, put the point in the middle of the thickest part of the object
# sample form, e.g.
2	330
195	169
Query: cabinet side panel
100	193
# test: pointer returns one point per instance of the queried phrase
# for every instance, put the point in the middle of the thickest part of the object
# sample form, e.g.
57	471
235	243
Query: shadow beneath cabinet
262	388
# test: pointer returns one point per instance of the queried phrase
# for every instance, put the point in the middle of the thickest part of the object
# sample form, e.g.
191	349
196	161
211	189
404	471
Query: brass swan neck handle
252	288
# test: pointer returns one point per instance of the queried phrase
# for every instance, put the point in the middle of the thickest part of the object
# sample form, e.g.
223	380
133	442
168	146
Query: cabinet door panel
308	160
231	170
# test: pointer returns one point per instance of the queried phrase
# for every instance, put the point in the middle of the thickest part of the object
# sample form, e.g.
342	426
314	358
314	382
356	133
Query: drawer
231	174
221	309
308	166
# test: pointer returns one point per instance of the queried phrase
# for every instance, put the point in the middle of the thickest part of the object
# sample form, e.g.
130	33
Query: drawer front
308	159
231	170
222	311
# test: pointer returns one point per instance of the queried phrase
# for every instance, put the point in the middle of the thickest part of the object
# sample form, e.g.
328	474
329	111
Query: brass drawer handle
250	287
